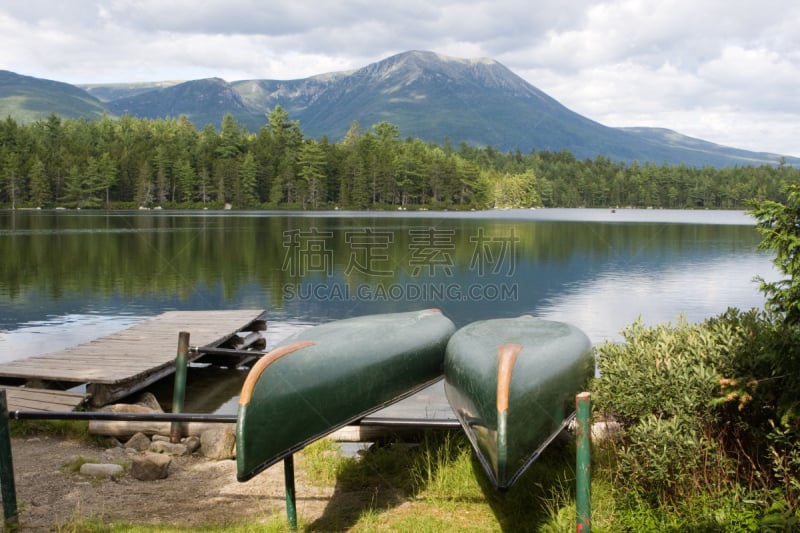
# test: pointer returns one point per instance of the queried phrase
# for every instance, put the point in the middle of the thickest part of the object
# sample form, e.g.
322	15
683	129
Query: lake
71	276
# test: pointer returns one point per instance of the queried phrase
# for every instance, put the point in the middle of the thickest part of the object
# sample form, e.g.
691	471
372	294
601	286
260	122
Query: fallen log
124	428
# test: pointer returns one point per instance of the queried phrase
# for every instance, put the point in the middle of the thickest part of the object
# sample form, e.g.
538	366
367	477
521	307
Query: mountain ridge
29	98
426	95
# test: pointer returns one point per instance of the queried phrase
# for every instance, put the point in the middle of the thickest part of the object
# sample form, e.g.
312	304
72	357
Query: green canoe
512	385
327	376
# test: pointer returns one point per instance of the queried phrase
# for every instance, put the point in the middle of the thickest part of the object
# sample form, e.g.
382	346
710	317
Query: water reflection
603	306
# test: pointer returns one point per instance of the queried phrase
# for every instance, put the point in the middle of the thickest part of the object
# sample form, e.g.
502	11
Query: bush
662	385
705	408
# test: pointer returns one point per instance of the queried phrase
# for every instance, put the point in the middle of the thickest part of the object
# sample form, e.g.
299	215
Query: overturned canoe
512	384
327	376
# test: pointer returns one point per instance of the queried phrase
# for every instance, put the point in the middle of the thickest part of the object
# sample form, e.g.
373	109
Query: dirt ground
197	491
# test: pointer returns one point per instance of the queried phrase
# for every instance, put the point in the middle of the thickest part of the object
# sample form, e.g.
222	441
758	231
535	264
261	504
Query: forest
129	162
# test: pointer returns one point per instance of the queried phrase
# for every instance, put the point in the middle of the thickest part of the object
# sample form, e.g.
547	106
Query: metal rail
387	422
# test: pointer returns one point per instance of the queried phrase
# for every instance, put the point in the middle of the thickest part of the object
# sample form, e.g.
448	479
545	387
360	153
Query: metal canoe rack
176	418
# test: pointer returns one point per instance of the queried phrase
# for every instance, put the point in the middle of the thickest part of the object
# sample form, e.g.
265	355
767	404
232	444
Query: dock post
7	485
583	463
179	391
291	504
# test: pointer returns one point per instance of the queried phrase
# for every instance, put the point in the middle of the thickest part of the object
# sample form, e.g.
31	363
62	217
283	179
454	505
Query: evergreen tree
186	179
247	179
10	177
311	170
40	186
106	176
144	185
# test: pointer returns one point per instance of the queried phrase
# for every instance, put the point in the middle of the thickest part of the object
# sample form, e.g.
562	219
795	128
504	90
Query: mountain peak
426	95
432	58
419	65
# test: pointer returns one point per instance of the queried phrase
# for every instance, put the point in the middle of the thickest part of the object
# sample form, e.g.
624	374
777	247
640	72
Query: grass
437	485
98	525
66	429
75	464
69	429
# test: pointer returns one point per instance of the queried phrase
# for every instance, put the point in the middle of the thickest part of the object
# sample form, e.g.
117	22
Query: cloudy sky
727	71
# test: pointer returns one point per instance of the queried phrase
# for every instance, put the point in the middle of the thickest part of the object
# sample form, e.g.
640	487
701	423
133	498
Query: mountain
669	138
427	95
114	91
434	97
203	101
28	99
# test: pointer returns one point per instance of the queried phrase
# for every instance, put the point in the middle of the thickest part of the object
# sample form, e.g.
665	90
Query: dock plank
134	357
27	399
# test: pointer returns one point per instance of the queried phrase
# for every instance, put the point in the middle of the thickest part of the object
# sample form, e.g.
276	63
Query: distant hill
667	137
114	91
427	95
28	99
203	101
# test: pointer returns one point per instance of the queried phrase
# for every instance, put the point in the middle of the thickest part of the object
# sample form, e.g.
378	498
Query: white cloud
723	70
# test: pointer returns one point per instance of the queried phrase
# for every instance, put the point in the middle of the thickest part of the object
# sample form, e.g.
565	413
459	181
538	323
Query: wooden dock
27	399
119	364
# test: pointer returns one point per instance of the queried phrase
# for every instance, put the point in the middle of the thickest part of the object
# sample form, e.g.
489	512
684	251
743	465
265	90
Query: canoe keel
511	383
330	375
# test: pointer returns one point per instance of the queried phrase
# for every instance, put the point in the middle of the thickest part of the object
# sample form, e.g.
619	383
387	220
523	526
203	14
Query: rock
192	443
101	470
218	443
606	430
148	399
150	466
139	442
127	408
168	448
160	438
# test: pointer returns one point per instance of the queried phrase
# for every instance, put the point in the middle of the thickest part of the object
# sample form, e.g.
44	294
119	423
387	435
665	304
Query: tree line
133	162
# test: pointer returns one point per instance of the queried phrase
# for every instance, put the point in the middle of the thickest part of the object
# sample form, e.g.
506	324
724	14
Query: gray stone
128	408
218	443
150	466
148	399
101	470
192	443
160	438
168	448
139	442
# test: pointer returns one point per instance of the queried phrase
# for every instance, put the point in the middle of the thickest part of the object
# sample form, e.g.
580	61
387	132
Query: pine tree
247	181
40	186
187	180
311	171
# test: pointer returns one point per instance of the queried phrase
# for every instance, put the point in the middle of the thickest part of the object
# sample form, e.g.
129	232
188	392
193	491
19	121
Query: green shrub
662	371
661	384
707	410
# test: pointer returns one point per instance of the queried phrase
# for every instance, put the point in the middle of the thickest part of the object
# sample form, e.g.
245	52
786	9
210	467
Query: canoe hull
512	383
327	376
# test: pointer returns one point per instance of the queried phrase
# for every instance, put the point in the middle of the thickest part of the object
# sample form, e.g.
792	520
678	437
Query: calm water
70	276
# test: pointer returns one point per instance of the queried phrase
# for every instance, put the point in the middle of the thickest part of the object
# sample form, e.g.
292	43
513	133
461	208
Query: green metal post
7	486
583	456
179	392
291	504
